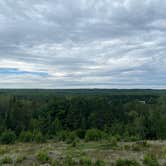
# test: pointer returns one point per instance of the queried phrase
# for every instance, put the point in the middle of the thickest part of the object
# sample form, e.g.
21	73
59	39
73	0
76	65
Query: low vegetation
83	129
93	153
150	160
8	137
6	160
20	159
43	157
126	162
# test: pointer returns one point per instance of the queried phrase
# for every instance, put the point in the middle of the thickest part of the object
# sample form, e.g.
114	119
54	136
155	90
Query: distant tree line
34	117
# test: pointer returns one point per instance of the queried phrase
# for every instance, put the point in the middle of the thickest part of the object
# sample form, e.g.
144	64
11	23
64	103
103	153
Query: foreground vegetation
100	153
76	127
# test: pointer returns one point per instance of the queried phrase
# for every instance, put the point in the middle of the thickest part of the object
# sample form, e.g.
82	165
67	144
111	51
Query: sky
55	44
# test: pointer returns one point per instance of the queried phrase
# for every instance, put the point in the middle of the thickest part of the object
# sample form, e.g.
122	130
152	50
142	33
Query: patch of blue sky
14	71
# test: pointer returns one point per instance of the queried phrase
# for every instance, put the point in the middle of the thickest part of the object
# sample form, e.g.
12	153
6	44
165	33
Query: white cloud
85	43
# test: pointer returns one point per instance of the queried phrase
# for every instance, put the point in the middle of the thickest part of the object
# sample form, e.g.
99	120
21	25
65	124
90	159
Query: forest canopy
37	114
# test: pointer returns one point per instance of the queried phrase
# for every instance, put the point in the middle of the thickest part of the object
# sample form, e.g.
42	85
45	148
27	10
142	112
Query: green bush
85	162
150	160
113	141
140	145
126	147
71	136
54	163
143	143
6	160
130	138
93	135
26	136
134	138
118	137
38	137
127	162
62	135
68	137
3	150
8	137
99	163
80	133
75	142
68	161
20	159
136	147
43	157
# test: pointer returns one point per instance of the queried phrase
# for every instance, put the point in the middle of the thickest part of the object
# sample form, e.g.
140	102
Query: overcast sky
82	44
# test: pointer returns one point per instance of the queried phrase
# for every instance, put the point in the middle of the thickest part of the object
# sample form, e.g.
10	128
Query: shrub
80	133
127	162
143	143
131	138
118	137
93	135
150	160
20	159
43	157
6	160
136	147
134	138
56	126
38	137
113	141
126	147
99	163
139	145
62	136
34	164
75	142
71	136
68	161
26	136
85	162
3	150
8	137
54	163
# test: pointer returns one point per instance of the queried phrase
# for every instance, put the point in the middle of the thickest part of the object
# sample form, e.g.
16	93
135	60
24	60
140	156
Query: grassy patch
150	160
126	162
7	160
3	150
20	159
43	157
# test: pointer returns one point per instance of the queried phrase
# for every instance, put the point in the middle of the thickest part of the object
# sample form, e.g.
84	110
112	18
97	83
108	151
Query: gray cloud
83	43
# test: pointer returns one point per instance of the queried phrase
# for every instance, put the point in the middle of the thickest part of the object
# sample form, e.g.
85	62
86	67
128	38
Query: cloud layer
82	44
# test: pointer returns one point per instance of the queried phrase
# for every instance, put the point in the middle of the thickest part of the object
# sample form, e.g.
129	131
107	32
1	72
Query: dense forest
91	114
